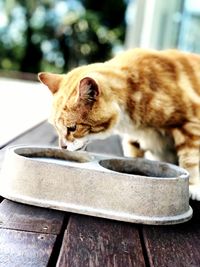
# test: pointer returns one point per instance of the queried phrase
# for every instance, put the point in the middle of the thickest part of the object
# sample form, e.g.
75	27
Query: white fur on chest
151	140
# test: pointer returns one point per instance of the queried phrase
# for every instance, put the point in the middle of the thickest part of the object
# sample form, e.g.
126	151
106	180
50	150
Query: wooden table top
32	236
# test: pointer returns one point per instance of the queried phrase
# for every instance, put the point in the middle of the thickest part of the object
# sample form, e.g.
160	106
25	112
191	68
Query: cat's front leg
187	142
131	148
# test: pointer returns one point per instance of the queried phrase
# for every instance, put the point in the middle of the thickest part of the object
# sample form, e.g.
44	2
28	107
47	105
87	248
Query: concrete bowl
125	189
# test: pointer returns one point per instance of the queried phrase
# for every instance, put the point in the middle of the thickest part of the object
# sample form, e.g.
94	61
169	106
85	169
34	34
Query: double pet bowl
131	190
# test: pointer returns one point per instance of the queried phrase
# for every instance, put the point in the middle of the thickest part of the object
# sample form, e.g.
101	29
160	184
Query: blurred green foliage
57	35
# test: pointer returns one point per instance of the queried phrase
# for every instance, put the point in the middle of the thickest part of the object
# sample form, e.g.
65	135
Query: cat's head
83	107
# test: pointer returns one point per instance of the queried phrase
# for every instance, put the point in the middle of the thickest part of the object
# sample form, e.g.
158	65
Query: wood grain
41	135
26	249
111	145
177	245
173	246
28	218
96	242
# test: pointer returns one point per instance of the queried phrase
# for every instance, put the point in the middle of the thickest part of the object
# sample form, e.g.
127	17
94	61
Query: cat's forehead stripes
69	87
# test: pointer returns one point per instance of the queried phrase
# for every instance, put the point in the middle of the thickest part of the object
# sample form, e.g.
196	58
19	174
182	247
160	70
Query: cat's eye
72	128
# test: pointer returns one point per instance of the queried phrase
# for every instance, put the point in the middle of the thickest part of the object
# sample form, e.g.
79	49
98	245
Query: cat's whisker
82	148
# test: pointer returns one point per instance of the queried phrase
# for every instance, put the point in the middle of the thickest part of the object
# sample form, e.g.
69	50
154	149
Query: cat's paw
194	191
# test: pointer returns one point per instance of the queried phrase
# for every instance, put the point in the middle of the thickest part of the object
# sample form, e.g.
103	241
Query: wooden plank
111	145
25	249
175	245
28	218
96	242
41	135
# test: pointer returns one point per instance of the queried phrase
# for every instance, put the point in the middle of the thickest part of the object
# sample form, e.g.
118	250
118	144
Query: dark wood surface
173	246
33	236
20	248
92	241
28	218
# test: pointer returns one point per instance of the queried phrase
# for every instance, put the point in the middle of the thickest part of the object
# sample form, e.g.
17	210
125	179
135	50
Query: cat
151	98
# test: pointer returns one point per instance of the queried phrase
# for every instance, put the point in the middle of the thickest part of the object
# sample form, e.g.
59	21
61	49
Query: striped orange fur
151	98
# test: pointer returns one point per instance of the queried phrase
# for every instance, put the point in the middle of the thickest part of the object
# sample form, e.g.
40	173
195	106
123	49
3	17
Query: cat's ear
51	80
88	90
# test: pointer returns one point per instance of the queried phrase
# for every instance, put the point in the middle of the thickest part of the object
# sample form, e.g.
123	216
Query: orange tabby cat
151	98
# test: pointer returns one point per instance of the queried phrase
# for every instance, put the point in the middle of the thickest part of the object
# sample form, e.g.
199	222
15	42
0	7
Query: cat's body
151	98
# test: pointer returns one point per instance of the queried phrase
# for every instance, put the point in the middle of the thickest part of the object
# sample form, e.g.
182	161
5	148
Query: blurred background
57	35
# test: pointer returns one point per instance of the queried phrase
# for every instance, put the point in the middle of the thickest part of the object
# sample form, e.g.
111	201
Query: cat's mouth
74	146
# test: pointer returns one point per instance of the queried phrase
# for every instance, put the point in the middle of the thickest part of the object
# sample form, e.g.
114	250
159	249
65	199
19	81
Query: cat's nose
62	144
